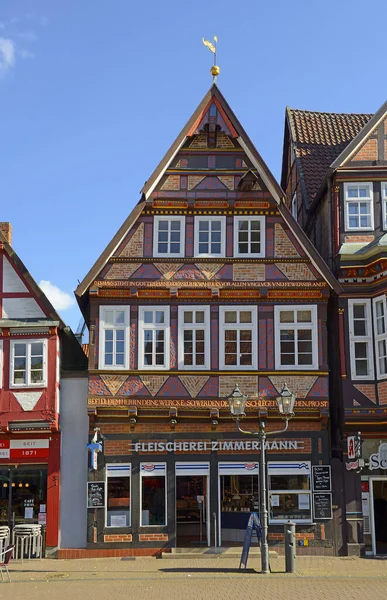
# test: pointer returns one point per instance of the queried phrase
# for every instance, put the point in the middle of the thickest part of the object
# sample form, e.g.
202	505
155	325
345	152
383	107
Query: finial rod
212	47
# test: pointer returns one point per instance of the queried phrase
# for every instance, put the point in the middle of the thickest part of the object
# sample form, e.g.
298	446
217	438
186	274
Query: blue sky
93	92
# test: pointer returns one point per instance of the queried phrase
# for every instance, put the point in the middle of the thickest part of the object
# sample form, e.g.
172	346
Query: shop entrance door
379	505
192	523
23	494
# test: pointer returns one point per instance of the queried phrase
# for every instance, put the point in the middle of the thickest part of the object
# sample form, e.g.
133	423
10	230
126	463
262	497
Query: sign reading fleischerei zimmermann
215	446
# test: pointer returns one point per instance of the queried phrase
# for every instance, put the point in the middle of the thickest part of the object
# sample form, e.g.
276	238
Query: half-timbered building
335	177
208	283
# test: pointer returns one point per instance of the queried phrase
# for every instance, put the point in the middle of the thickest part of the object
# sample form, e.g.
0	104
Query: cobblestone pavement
319	578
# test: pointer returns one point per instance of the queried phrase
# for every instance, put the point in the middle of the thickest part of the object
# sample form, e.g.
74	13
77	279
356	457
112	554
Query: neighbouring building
43	375
209	282
335	177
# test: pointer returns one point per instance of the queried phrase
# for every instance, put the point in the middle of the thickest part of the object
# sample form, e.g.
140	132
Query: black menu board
95	494
322	506
321	478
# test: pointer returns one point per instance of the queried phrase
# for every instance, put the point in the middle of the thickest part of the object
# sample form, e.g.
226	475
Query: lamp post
237	403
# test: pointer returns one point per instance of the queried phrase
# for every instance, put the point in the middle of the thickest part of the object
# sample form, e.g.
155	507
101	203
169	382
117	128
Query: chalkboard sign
321	478
95	494
322	506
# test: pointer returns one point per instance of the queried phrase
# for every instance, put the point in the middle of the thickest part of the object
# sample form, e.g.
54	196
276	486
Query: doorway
23	494
379	505
192	523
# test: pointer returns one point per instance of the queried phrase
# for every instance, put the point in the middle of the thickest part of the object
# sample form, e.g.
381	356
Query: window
169	236
238	337
249	236
153	494
358	206
294	207
28	363
114	337
289	492
380	328
384	204
1	363
360	333
118	495
296	337
210	236
153	347
194	337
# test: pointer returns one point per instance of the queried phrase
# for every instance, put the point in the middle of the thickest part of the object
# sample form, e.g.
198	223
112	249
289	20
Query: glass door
191	502
23	494
5	486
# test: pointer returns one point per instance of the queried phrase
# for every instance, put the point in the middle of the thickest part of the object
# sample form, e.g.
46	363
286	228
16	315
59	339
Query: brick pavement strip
319	578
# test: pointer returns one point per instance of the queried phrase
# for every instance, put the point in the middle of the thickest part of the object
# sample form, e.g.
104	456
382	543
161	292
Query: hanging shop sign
20	449
215	446
379	459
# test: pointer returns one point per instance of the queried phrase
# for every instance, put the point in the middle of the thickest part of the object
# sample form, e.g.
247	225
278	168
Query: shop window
194	337
289	492
380	328
169	236
153	494
358	200
210	236
238	337
249	237
114	337
28	363
360	333
118	495
153	348
239	493
296	337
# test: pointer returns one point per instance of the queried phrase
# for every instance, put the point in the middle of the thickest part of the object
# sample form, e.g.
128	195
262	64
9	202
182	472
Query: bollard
290	547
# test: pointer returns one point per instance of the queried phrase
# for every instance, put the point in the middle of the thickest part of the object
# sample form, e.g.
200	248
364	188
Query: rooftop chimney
6	230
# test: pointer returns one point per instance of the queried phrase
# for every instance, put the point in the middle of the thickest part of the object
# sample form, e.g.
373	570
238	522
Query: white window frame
379	337
239	327
156	221
102	329
260	254
222	236
28	383
294	206
142	326
144	474
1	363
278	326
383	194
364	338
348	201
193	326
286	470
111	475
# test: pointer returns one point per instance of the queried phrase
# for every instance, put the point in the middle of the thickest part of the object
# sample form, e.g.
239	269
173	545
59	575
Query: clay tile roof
318	139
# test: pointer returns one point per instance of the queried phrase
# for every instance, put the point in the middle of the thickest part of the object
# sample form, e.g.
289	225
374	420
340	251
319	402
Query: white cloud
27	36
60	300
7	54
25	53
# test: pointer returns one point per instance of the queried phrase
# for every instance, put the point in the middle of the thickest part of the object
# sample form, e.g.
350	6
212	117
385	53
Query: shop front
180	493
374	497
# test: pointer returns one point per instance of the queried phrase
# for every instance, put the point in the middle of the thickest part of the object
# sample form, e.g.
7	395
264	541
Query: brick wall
369	151
382	391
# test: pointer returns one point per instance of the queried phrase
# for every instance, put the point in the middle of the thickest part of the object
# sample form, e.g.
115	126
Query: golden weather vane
212	47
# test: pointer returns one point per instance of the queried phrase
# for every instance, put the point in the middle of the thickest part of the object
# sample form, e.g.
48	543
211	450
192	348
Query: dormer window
358	201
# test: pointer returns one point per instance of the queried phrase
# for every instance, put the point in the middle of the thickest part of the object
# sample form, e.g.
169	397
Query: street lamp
285	402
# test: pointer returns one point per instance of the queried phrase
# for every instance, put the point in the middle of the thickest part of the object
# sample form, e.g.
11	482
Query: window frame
156	221
129	468
207	336
167	336
379	337
383	196
368	339
28	383
144	474
253	326
249	219
348	201
283	472
313	326
102	330
222	220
